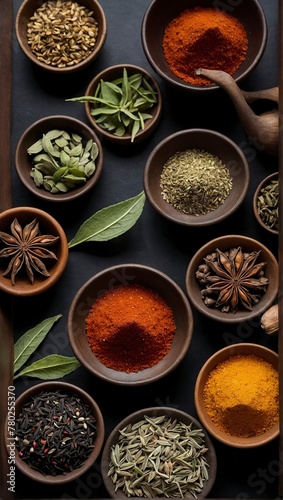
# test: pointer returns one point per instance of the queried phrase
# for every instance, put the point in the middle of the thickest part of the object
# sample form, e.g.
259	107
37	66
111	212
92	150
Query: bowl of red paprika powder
130	324
180	37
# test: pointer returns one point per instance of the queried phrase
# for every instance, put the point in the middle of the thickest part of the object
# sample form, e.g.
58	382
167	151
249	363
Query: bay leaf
111	221
50	367
29	341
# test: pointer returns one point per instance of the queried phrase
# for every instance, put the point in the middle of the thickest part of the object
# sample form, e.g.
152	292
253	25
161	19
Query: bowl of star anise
232	279
33	251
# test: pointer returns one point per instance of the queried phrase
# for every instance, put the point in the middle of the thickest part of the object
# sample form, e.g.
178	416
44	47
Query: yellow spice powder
241	396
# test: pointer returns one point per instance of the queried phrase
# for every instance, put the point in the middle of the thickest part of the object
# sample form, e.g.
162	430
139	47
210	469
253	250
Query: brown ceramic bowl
263	184
67	388
47	225
172	413
27	9
225	243
152	279
23	161
213	142
159	14
112	73
242	348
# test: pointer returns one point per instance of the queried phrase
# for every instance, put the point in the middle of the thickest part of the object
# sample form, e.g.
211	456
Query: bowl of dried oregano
196	177
161	439
61	36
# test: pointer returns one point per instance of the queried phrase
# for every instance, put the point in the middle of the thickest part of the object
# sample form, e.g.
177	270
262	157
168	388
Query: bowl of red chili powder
180	37
130	324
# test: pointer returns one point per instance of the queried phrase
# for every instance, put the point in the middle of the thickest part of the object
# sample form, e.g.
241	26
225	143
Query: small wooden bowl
220	356
23	161
224	243
216	144
265	182
67	388
132	274
47	225
112	73
159	14
27	9
172	413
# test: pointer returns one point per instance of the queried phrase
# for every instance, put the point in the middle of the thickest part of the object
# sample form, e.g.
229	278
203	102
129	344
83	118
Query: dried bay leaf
28	343
111	221
50	367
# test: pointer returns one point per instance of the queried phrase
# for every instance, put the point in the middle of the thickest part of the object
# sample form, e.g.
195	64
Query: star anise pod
26	247
232	278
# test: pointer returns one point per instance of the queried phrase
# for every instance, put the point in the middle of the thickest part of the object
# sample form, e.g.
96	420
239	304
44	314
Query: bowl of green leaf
59	158
123	103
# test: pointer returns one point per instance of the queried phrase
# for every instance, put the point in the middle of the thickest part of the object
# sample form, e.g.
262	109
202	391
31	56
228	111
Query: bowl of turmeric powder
181	37
130	325
237	395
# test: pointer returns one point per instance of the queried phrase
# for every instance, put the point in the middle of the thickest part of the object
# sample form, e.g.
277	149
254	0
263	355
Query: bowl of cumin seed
159	438
61	36
196	177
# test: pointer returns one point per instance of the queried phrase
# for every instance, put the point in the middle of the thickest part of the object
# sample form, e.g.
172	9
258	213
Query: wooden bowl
47	225
158	15
172	413
62	387
130	274
33	133
27	9
265	182
112	73
225	243
218	357
216	144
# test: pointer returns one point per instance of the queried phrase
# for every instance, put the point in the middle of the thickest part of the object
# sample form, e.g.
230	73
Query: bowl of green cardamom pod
123	104
59	158
232	279
196	177
266	203
162	439
237	395
61	37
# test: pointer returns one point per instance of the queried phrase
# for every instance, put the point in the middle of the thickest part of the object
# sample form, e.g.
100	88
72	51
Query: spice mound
55	432
241	396
130	328
25	248
204	38
159	457
195	182
233	279
62	34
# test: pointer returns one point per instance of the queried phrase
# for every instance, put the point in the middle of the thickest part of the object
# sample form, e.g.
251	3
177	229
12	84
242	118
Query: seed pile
62	33
268	204
195	182
55	432
159	457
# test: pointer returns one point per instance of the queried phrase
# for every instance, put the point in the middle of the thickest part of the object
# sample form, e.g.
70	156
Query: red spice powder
130	328
204	38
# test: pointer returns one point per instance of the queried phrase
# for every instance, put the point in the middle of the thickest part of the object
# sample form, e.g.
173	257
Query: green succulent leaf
111	221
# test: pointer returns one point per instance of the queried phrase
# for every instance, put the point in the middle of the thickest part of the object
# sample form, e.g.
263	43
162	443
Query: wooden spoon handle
269	94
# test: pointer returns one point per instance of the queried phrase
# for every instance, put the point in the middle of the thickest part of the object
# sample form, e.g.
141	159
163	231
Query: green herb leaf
51	367
29	342
111	221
